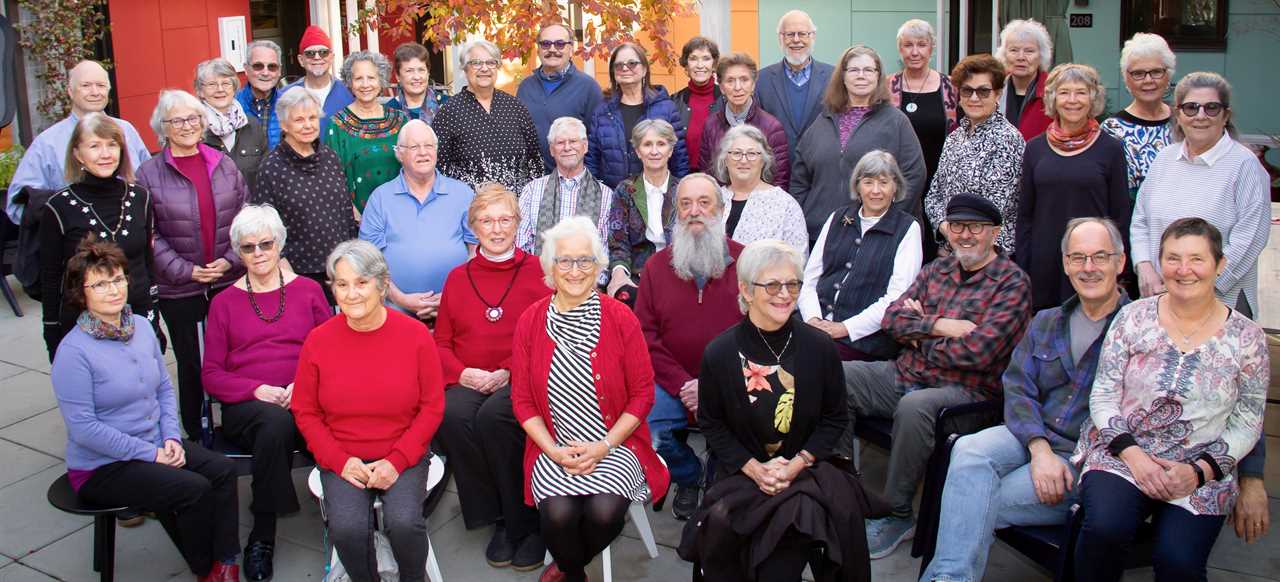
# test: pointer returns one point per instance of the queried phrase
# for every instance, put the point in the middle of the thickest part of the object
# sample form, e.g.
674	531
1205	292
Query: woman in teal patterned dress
364	133
1144	127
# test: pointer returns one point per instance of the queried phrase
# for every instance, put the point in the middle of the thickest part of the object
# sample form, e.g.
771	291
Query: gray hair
566	124
1026	30
292	98
916	28
695	176
404	133
256	218
1203	80
765	254
365	259
263	44
214	68
748	131
660	126
1074	73
1117	239
464	55
1145	45
812	26
377	59
874	164
170	98
574	226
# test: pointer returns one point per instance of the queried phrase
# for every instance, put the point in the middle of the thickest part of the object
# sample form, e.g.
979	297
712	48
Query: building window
1188	25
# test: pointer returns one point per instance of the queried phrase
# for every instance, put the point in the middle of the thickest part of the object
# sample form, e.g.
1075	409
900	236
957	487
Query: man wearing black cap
957	324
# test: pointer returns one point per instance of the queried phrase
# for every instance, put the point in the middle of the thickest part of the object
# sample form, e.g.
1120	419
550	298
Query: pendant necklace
911	105
493	313
777	356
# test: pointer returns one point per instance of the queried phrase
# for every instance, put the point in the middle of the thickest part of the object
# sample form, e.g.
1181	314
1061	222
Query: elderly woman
1147	65
1027	53
302	178
757	210
124	446
413	82
866	256
251	344
196	191
241	137
698	57
101	181
857	117
363	134
1073	169
927	96
737	73
1176	403
483	300
368	397
984	156
486	135
643	210
630	99
771	402
582	398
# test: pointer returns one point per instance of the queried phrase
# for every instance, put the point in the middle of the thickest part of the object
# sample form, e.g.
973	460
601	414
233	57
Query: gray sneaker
884	535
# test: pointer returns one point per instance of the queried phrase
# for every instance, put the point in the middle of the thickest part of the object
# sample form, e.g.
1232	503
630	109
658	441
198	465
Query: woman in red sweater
581	387
482	300
368	397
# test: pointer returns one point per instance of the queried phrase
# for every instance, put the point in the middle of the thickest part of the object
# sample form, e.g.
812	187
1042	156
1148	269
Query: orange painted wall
744	27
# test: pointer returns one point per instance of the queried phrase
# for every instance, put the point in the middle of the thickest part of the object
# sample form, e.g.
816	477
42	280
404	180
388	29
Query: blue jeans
988	487
669	426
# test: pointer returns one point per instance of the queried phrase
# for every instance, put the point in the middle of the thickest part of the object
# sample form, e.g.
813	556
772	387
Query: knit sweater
700	98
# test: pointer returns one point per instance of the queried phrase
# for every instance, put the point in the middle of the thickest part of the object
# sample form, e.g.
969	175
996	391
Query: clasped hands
775	475
579	458
210	272
171	454
484	381
281	396
1159	478
380	474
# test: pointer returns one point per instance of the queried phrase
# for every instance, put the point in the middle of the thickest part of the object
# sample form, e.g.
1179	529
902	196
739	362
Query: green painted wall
842	23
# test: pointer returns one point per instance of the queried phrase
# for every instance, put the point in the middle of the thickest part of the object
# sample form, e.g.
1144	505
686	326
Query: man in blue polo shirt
419	222
557	89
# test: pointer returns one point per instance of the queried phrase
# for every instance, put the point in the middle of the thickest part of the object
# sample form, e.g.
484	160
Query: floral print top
366	149
986	162
1142	140
1178	406
771	393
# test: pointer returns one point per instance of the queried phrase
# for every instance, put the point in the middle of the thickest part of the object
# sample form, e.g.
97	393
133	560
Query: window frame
1178	42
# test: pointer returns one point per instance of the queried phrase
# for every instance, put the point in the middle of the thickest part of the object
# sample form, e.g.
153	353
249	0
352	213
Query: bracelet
808	457
1199	474
611	448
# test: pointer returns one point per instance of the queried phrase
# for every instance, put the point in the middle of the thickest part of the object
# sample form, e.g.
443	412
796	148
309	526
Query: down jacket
177	243
715	128
610	156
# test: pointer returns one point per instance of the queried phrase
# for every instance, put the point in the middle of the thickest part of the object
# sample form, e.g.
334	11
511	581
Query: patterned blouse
478	146
1142	140
1178	406
770	213
986	162
365	148
311	195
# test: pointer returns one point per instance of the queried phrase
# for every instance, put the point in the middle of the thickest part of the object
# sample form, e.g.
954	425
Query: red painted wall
157	45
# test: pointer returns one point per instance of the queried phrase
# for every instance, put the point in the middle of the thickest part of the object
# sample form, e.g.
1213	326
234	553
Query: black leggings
576	528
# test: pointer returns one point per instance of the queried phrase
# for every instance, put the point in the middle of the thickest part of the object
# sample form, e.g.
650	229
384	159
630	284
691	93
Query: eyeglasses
105	286
557	44
982	92
273	67
417	148
251	248
1098	258
773	288
223	84
316	53
1154	74
974	228
861	71
565	264
482	64
739	155
797	35
626	65
1191	108
502	221
188	121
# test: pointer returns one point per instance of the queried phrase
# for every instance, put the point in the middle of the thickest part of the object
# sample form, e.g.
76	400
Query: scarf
733	118
1070	142
588	205
577	330
101	330
224	124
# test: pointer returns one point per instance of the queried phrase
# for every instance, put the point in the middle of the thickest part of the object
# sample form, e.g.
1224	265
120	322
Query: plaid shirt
801	77
997	300
1046	394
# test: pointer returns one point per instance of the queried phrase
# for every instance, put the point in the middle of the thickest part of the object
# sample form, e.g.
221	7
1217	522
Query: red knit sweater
700	100
464	337
370	395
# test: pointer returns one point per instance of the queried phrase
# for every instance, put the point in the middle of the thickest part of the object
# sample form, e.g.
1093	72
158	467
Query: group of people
794	248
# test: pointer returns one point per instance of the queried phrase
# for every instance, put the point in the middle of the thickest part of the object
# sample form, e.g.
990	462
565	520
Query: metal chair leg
10	297
107	523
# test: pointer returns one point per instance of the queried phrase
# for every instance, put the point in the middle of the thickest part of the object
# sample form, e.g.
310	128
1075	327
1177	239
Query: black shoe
686	501
131	517
257	560
500	550
529	554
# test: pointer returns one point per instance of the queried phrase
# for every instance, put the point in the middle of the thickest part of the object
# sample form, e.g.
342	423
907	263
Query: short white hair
216	68
1026	30
169	99
464	55
258	218
765	254
790	13
916	28
403	134
364	258
566	124
574	226
294	97
1146	45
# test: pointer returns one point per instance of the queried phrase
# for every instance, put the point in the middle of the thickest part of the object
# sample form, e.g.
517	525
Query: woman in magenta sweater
252	338
368	397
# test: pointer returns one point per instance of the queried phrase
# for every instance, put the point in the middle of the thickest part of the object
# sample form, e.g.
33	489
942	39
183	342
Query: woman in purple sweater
253	336
124	447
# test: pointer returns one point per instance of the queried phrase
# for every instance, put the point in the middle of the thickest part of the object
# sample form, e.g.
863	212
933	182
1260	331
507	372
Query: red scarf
1070	142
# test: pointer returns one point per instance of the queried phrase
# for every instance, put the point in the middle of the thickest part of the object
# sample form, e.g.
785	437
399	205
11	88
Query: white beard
698	255
794	61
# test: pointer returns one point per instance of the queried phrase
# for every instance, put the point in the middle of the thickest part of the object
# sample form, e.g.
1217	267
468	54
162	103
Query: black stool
63	497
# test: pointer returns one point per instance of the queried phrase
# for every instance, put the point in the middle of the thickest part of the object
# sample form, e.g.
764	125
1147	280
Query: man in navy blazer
792	88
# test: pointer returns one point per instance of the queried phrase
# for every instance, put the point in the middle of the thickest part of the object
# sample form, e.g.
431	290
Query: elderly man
1023	466
791	89
557	89
688	296
419	222
44	164
315	54
263	67
568	190
958	323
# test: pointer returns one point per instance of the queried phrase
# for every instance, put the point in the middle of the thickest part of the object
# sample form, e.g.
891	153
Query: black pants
267	430
485	446
196	502
578	527
1113	510
182	316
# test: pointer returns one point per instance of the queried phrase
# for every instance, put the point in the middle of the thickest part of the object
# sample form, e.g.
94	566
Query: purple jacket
716	126
177	243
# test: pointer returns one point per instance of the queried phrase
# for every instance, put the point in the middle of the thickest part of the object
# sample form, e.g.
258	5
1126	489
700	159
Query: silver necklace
911	105
1186	338
777	356
106	232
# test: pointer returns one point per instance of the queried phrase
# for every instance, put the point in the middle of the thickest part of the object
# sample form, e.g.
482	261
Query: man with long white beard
688	296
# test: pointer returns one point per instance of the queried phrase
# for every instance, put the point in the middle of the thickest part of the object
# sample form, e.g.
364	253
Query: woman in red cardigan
582	399
368	398
482	301
1027	54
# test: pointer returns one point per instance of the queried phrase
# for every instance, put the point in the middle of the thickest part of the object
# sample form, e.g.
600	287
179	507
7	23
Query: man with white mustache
957	323
568	190
688	296
557	88
791	89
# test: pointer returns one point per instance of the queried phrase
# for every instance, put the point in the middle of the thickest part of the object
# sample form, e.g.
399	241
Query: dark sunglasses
1191	108
273	67
981	92
316	53
773	288
265	246
558	44
626	65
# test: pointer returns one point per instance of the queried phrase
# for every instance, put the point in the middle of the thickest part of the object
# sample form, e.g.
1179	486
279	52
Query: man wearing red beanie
315	54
